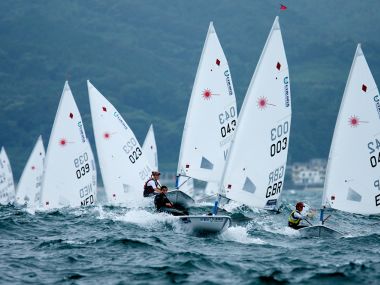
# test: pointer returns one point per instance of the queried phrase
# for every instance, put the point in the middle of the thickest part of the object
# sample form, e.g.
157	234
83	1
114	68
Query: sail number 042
81	163
276	134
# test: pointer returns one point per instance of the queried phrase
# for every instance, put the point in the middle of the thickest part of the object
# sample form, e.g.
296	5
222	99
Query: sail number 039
132	150
276	134
81	163
224	118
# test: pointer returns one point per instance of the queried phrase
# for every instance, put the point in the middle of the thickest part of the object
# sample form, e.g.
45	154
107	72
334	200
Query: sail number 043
81	163
224	118
276	134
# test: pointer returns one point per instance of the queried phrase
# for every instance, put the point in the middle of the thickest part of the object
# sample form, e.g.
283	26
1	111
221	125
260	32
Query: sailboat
352	175
150	148
211	118
70	172
122	161
255	168
30	184
7	188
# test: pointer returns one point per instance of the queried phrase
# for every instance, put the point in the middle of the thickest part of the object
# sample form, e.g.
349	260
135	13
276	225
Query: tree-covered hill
143	55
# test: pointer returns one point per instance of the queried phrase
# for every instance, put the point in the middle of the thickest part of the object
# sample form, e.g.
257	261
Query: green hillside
143	55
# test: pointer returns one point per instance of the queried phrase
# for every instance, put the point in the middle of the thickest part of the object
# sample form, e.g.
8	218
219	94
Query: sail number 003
81	163
276	134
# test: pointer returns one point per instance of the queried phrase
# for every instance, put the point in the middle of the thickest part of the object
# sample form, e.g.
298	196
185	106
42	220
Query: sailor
152	186
163	204
295	217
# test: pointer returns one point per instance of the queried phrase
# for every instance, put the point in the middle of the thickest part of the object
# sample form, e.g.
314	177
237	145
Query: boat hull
180	199
319	231
205	224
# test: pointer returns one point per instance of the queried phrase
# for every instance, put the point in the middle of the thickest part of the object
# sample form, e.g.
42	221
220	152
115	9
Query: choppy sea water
115	245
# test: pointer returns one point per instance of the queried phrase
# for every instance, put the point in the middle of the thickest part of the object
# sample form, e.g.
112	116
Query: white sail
7	188
30	184
185	184
123	164
70	172
150	148
353	177
255	169
211	117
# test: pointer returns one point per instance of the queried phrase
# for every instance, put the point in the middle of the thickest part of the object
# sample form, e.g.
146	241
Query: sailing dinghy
70	172
199	225
122	161
30	184
352	176
7	188
255	168
211	118
150	148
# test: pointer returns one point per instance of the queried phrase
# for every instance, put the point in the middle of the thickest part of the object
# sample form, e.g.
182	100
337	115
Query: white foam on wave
240	234
140	217
286	231
270	227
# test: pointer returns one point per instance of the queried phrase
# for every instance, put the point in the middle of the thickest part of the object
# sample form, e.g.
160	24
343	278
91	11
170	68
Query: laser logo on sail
228	81
116	114
286	89
377	104
81	131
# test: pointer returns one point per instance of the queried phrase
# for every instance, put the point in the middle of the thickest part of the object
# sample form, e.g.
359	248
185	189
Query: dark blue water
113	245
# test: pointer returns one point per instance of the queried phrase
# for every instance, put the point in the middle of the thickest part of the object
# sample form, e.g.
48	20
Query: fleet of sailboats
241	159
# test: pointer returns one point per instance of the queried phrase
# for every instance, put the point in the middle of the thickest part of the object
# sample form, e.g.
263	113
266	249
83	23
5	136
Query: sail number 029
81	163
276	134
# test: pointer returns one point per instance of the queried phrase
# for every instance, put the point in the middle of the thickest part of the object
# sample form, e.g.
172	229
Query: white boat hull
319	231
180	198
205	224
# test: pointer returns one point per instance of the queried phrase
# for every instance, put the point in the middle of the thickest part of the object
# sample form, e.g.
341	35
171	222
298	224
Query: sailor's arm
298	216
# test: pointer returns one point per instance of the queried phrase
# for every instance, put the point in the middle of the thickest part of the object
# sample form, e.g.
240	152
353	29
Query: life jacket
293	220
148	190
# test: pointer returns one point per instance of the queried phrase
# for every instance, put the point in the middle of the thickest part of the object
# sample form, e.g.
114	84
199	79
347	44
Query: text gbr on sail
275	181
